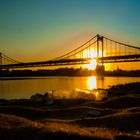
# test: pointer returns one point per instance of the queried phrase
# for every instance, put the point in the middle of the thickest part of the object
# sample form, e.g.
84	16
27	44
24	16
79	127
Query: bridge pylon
100	46
100	53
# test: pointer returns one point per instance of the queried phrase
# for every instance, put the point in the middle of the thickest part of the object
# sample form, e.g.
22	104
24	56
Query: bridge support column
100	49
100	69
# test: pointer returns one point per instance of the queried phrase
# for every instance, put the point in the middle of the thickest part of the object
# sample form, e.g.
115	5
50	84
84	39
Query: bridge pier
100	69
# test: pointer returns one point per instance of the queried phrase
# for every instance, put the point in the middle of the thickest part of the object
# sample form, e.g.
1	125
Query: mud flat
114	118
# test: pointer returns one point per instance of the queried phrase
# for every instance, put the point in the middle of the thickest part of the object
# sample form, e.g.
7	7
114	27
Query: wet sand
114	118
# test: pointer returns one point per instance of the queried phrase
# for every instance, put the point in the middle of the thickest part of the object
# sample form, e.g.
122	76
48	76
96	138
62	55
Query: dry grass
20	128
12	127
62	113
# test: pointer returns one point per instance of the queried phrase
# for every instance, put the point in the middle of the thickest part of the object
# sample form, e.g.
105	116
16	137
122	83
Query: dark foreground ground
115	118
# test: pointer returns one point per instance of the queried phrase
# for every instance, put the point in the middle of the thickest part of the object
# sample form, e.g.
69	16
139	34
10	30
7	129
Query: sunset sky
38	30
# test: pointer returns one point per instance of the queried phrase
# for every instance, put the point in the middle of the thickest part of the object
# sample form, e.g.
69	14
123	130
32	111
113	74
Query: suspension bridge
99	48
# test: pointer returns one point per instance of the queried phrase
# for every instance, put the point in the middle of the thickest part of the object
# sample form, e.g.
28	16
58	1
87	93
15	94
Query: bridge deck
108	59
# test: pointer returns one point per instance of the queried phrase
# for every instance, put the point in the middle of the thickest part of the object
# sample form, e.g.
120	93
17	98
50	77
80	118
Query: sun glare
91	65
91	53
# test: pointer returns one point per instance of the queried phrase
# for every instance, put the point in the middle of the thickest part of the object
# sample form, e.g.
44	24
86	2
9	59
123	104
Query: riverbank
74	72
114	118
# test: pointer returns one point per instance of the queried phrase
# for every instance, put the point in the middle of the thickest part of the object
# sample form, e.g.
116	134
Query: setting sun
90	54
91	65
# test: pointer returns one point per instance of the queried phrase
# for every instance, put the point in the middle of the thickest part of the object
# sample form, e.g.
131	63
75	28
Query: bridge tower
100	49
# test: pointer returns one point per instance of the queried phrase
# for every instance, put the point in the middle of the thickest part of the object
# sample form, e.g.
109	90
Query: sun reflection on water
90	92
91	83
99	94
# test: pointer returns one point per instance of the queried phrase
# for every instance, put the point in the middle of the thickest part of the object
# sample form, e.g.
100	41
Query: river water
25	87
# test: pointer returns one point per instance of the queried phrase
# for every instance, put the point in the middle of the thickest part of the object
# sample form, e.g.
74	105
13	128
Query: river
25	87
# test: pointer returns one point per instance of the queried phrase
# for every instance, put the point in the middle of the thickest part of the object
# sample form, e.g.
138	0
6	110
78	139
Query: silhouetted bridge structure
100	48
